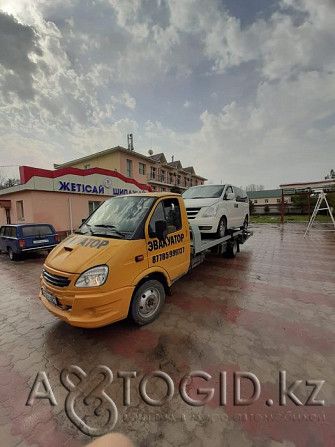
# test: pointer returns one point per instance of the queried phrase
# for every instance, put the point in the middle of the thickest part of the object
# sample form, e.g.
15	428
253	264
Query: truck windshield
204	192
119	215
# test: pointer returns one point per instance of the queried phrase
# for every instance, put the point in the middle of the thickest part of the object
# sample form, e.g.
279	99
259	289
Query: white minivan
217	208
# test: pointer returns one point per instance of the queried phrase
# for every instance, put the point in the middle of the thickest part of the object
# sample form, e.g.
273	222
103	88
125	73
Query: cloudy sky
243	90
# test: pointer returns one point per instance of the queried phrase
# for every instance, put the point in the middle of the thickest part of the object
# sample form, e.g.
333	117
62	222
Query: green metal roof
265	194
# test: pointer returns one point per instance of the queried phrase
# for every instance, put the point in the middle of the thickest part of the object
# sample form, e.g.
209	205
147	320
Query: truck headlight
211	210
93	277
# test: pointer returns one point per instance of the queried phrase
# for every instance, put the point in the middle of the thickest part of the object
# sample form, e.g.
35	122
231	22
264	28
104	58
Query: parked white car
217	208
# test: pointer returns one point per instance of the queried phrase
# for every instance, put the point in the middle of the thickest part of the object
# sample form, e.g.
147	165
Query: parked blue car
23	238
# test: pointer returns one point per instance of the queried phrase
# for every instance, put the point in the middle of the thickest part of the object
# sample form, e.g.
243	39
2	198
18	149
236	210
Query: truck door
173	254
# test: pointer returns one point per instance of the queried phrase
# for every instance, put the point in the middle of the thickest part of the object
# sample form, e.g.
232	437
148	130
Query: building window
129	168
278	200
170	178
266	200
141	168
152	173
185	181
19	210
162	176
255	201
92	206
87	166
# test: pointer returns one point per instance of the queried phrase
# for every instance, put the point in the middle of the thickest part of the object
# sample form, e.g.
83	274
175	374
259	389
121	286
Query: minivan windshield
118	217
204	192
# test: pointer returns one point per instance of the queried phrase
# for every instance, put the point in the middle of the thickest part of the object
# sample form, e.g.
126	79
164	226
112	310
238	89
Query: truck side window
172	215
157	215
168	210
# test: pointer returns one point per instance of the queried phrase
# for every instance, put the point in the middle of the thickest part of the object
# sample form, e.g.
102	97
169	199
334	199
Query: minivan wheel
222	227
12	255
147	302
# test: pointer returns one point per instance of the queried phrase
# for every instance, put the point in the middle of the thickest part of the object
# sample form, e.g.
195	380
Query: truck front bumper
86	309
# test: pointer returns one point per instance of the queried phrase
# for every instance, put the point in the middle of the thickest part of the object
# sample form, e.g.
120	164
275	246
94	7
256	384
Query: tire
232	249
245	223
222	227
147	302
12	255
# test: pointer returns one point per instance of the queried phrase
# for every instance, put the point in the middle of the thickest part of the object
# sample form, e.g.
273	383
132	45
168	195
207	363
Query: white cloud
81	56
124	99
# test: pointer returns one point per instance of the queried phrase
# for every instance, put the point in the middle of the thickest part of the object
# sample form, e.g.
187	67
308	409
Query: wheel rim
222	228
245	225
10	254
235	248
149	302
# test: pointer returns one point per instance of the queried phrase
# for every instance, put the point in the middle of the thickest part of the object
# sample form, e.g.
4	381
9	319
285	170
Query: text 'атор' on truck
124	258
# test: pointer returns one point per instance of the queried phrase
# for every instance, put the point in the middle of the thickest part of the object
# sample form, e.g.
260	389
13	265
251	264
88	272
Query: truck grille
192	212
55	280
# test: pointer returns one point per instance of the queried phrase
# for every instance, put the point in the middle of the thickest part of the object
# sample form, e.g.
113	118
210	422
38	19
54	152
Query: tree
176	190
251	207
7	183
331	175
300	201
254	187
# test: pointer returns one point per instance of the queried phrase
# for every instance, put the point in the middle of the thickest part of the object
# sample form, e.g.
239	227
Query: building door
8	216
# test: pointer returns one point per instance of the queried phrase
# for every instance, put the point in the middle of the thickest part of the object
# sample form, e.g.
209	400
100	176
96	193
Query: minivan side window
241	196
228	190
2	231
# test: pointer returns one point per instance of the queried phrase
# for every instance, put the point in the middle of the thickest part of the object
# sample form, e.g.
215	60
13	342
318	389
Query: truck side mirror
230	196
161	229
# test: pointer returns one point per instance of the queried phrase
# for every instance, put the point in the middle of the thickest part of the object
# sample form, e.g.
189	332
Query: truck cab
122	260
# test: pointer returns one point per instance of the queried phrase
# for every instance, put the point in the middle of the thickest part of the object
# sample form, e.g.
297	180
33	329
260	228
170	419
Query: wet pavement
270	309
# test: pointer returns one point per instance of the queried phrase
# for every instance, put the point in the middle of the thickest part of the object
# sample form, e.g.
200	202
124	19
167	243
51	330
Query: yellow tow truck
124	258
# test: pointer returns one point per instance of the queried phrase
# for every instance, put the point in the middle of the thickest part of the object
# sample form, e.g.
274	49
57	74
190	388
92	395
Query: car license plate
50	297
40	241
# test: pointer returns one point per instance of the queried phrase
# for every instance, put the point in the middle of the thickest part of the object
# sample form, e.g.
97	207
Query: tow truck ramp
228	244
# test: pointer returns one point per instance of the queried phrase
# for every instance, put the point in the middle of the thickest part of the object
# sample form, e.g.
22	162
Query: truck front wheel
147	302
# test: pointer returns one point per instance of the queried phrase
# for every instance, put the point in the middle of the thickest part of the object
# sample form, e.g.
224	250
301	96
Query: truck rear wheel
232	249
147	302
